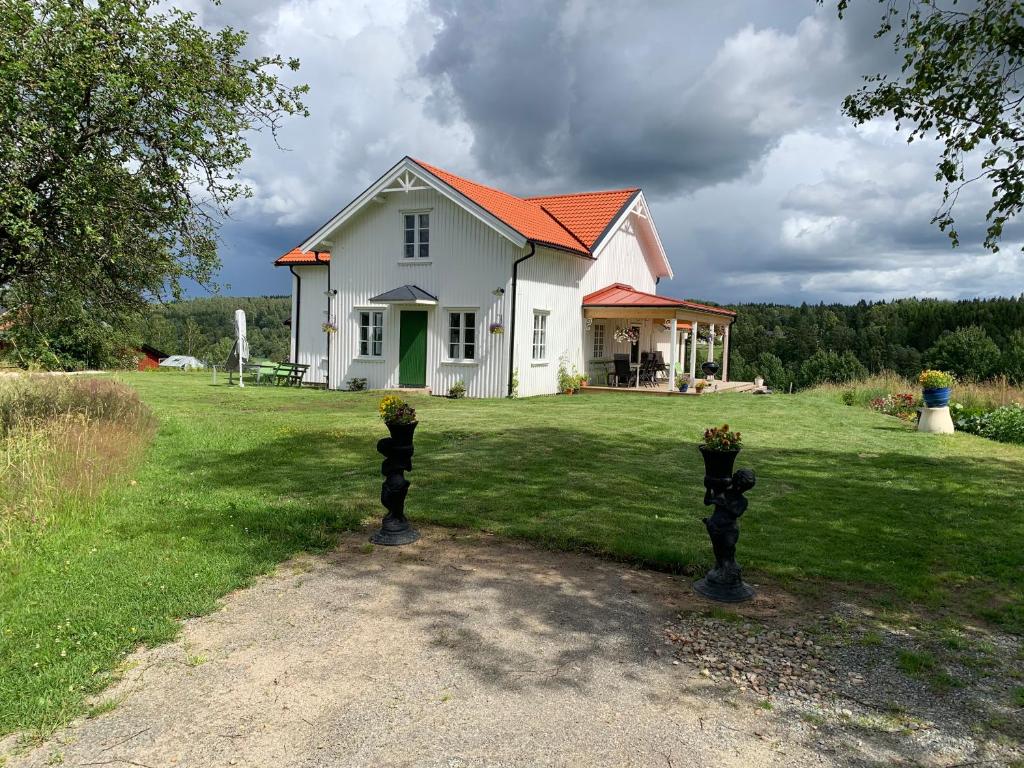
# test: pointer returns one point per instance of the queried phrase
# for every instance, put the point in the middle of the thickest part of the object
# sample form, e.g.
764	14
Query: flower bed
903	405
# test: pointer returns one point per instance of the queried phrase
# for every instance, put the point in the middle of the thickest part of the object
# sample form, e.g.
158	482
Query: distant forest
205	328
975	339
802	346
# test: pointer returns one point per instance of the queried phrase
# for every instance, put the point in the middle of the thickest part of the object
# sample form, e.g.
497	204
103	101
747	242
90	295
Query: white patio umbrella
241	350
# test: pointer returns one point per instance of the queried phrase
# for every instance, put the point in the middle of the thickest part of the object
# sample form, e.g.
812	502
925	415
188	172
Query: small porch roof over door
621	300
405	294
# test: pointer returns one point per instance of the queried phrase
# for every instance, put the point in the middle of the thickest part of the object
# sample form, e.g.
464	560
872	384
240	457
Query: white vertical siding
469	261
550	281
621	260
312	341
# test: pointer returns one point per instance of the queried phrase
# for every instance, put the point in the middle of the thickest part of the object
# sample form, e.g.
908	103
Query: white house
428	278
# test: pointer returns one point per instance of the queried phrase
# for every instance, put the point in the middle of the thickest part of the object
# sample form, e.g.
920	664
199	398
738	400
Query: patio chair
647	372
659	363
624	375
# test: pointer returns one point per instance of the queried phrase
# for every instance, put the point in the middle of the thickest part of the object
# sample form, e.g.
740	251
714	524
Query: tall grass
61	439
980	396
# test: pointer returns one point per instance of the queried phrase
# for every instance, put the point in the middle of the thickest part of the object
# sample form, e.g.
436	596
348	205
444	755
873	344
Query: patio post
672	347
725	352
711	343
693	351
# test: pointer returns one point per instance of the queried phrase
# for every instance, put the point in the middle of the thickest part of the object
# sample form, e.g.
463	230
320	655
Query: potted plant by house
457	390
720	447
935	387
582	381
698	386
682	382
568	380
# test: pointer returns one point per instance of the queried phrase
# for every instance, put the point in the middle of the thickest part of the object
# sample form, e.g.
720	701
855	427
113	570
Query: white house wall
549	282
469	261
621	260
312	341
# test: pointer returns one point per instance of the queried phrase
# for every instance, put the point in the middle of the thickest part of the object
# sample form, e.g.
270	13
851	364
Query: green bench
279	374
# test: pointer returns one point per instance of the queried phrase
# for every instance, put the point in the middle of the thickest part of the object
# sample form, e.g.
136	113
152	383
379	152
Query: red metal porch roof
622	295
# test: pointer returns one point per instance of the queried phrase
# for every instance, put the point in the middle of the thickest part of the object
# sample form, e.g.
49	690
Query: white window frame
370	342
417	242
600	338
462	341
540	337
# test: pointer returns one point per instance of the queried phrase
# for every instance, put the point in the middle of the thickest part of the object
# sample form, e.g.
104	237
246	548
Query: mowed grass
237	480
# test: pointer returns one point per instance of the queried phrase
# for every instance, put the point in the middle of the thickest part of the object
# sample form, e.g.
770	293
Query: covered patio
674	335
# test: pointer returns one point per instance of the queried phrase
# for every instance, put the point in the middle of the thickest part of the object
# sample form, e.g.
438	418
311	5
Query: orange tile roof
295	256
526	217
622	295
587	214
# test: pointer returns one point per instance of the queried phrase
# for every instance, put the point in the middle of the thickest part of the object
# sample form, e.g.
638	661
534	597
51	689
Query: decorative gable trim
636	208
406	176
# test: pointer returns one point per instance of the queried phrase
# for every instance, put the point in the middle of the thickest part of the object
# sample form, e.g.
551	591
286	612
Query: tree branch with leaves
959	82
122	131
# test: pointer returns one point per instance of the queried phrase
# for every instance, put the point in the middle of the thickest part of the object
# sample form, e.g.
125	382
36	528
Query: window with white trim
417	235
462	335
371	333
540	335
598	341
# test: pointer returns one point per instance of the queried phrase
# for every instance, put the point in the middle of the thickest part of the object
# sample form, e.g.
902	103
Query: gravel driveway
460	650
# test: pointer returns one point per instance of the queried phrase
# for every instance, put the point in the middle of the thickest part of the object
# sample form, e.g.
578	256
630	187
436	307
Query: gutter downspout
298	310
512	329
316	258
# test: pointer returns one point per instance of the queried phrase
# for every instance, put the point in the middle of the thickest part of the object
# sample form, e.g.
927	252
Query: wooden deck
663	390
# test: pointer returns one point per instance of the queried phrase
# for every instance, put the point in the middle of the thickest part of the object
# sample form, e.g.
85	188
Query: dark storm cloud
669	96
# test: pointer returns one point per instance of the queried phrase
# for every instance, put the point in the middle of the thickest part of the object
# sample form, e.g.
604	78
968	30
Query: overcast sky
725	113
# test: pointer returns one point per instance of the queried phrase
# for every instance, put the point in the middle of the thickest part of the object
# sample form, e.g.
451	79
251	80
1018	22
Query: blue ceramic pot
936	398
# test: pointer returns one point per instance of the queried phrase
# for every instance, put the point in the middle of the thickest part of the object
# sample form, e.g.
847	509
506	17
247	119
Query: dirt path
461	650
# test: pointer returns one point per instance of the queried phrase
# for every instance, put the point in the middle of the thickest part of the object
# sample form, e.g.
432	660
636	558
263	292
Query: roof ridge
583	194
431	167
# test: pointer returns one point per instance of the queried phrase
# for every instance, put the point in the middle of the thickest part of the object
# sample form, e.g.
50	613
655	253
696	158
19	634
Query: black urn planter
724	491
718	466
397	450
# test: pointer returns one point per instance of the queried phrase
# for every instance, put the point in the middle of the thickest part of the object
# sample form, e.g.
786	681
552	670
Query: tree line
805	345
205	328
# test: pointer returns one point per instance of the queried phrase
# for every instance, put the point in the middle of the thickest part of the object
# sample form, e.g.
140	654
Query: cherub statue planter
724	492
397	450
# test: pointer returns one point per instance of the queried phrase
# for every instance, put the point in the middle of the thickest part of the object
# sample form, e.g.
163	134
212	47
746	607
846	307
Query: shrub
722	439
849	396
770	368
828	366
356	385
967	352
457	390
394	410
1005	424
1012	362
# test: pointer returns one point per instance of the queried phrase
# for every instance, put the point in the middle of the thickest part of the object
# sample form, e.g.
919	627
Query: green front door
412	349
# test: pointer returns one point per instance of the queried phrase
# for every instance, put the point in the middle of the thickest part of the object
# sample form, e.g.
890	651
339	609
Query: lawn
237	480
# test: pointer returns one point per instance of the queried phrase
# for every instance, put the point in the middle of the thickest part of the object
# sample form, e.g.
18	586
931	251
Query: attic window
417	235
